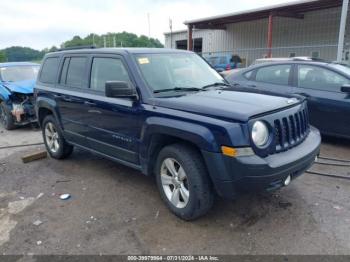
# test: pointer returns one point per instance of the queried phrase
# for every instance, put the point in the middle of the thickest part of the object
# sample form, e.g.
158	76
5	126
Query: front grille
291	130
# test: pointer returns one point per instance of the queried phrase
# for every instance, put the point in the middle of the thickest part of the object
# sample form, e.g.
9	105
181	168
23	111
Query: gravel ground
116	210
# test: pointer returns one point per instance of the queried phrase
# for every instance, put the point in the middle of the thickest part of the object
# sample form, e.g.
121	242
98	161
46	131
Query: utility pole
171	32
342	28
149	25
104	41
93	39
114	43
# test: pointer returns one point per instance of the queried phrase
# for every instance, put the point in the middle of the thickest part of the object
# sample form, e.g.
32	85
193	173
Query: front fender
197	134
4	94
49	104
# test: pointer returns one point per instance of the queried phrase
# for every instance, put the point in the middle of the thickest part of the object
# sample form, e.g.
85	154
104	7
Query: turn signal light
229	151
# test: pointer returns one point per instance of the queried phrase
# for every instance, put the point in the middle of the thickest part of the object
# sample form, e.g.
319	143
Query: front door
329	107
114	124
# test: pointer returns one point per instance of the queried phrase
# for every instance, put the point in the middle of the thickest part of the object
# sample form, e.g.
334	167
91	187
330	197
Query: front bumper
22	114
231	175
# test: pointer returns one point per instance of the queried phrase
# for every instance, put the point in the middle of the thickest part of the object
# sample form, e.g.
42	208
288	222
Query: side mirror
120	89
345	88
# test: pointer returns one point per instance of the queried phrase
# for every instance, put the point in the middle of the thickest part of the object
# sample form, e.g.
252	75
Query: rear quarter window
49	70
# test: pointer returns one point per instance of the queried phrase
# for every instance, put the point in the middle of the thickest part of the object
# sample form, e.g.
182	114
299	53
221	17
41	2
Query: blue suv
17	81
167	113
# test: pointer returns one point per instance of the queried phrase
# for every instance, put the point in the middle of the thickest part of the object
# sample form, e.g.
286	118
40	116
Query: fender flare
44	102
199	135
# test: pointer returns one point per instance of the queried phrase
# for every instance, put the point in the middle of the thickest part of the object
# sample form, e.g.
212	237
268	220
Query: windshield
181	71
343	68
18	73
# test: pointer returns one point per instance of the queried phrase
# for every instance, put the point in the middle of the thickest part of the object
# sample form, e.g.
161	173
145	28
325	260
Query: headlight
260	134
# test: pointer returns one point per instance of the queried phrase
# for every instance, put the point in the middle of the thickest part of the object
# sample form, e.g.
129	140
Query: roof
10	64
121	50
294	9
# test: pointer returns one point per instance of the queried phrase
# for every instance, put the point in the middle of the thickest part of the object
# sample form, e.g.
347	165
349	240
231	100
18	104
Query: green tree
3	57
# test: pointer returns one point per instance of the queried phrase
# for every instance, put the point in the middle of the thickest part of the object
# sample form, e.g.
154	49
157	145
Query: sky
43	23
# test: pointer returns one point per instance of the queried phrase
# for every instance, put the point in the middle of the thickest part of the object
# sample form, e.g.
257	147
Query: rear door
329	107
273	78
73	83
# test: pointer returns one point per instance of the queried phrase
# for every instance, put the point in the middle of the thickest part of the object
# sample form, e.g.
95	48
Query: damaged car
17	81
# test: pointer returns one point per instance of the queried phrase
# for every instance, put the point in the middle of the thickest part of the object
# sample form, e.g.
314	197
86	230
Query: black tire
201	196
64	149
6	117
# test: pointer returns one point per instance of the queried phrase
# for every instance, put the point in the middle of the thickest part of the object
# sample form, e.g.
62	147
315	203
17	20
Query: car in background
280	59
222	62
17	81
326	85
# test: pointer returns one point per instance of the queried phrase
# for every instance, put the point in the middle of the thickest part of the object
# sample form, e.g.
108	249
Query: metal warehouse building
315	28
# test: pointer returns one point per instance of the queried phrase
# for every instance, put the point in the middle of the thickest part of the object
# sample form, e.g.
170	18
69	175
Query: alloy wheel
174	182
52	137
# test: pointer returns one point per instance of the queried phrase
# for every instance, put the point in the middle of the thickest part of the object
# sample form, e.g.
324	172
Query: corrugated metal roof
258	13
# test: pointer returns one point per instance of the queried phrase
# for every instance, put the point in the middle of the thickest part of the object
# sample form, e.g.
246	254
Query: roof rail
77	47
305	58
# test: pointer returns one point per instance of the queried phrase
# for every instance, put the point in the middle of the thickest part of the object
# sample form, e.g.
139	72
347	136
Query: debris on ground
40	195
157	215
65	196
337	207
37	223
34	156
284	204
39	242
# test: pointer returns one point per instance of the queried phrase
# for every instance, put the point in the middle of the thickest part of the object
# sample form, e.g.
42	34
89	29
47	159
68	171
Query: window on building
315	54
277	74
315	77
107	69
49	70
76	71
293	54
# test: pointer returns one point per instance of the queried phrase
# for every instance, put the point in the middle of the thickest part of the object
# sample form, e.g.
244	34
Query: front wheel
54	141
183	181
6	117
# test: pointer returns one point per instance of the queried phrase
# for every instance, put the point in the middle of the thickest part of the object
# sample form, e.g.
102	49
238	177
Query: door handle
89	103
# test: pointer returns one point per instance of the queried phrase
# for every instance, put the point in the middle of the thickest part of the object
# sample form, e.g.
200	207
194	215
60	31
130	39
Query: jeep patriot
169	114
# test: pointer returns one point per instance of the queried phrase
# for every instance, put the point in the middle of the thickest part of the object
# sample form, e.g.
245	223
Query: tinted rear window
49	70
76	71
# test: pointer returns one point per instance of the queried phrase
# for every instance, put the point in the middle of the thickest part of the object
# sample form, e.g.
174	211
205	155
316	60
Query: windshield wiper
189	89
215	84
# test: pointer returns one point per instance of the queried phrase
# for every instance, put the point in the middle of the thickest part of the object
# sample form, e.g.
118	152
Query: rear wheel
54	141
183	181
6	117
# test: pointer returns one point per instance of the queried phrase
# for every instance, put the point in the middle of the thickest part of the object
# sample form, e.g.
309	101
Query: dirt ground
116	210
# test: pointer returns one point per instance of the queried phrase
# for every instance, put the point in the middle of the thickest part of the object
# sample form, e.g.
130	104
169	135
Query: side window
75	71
63	77
249	74
320	78
277	74
107	69
49	70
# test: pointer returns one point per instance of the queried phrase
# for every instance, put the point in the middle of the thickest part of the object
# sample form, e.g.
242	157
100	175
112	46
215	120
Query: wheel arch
161	132
46	107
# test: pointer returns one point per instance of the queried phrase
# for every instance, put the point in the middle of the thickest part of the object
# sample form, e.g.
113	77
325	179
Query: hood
23	87
227	104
